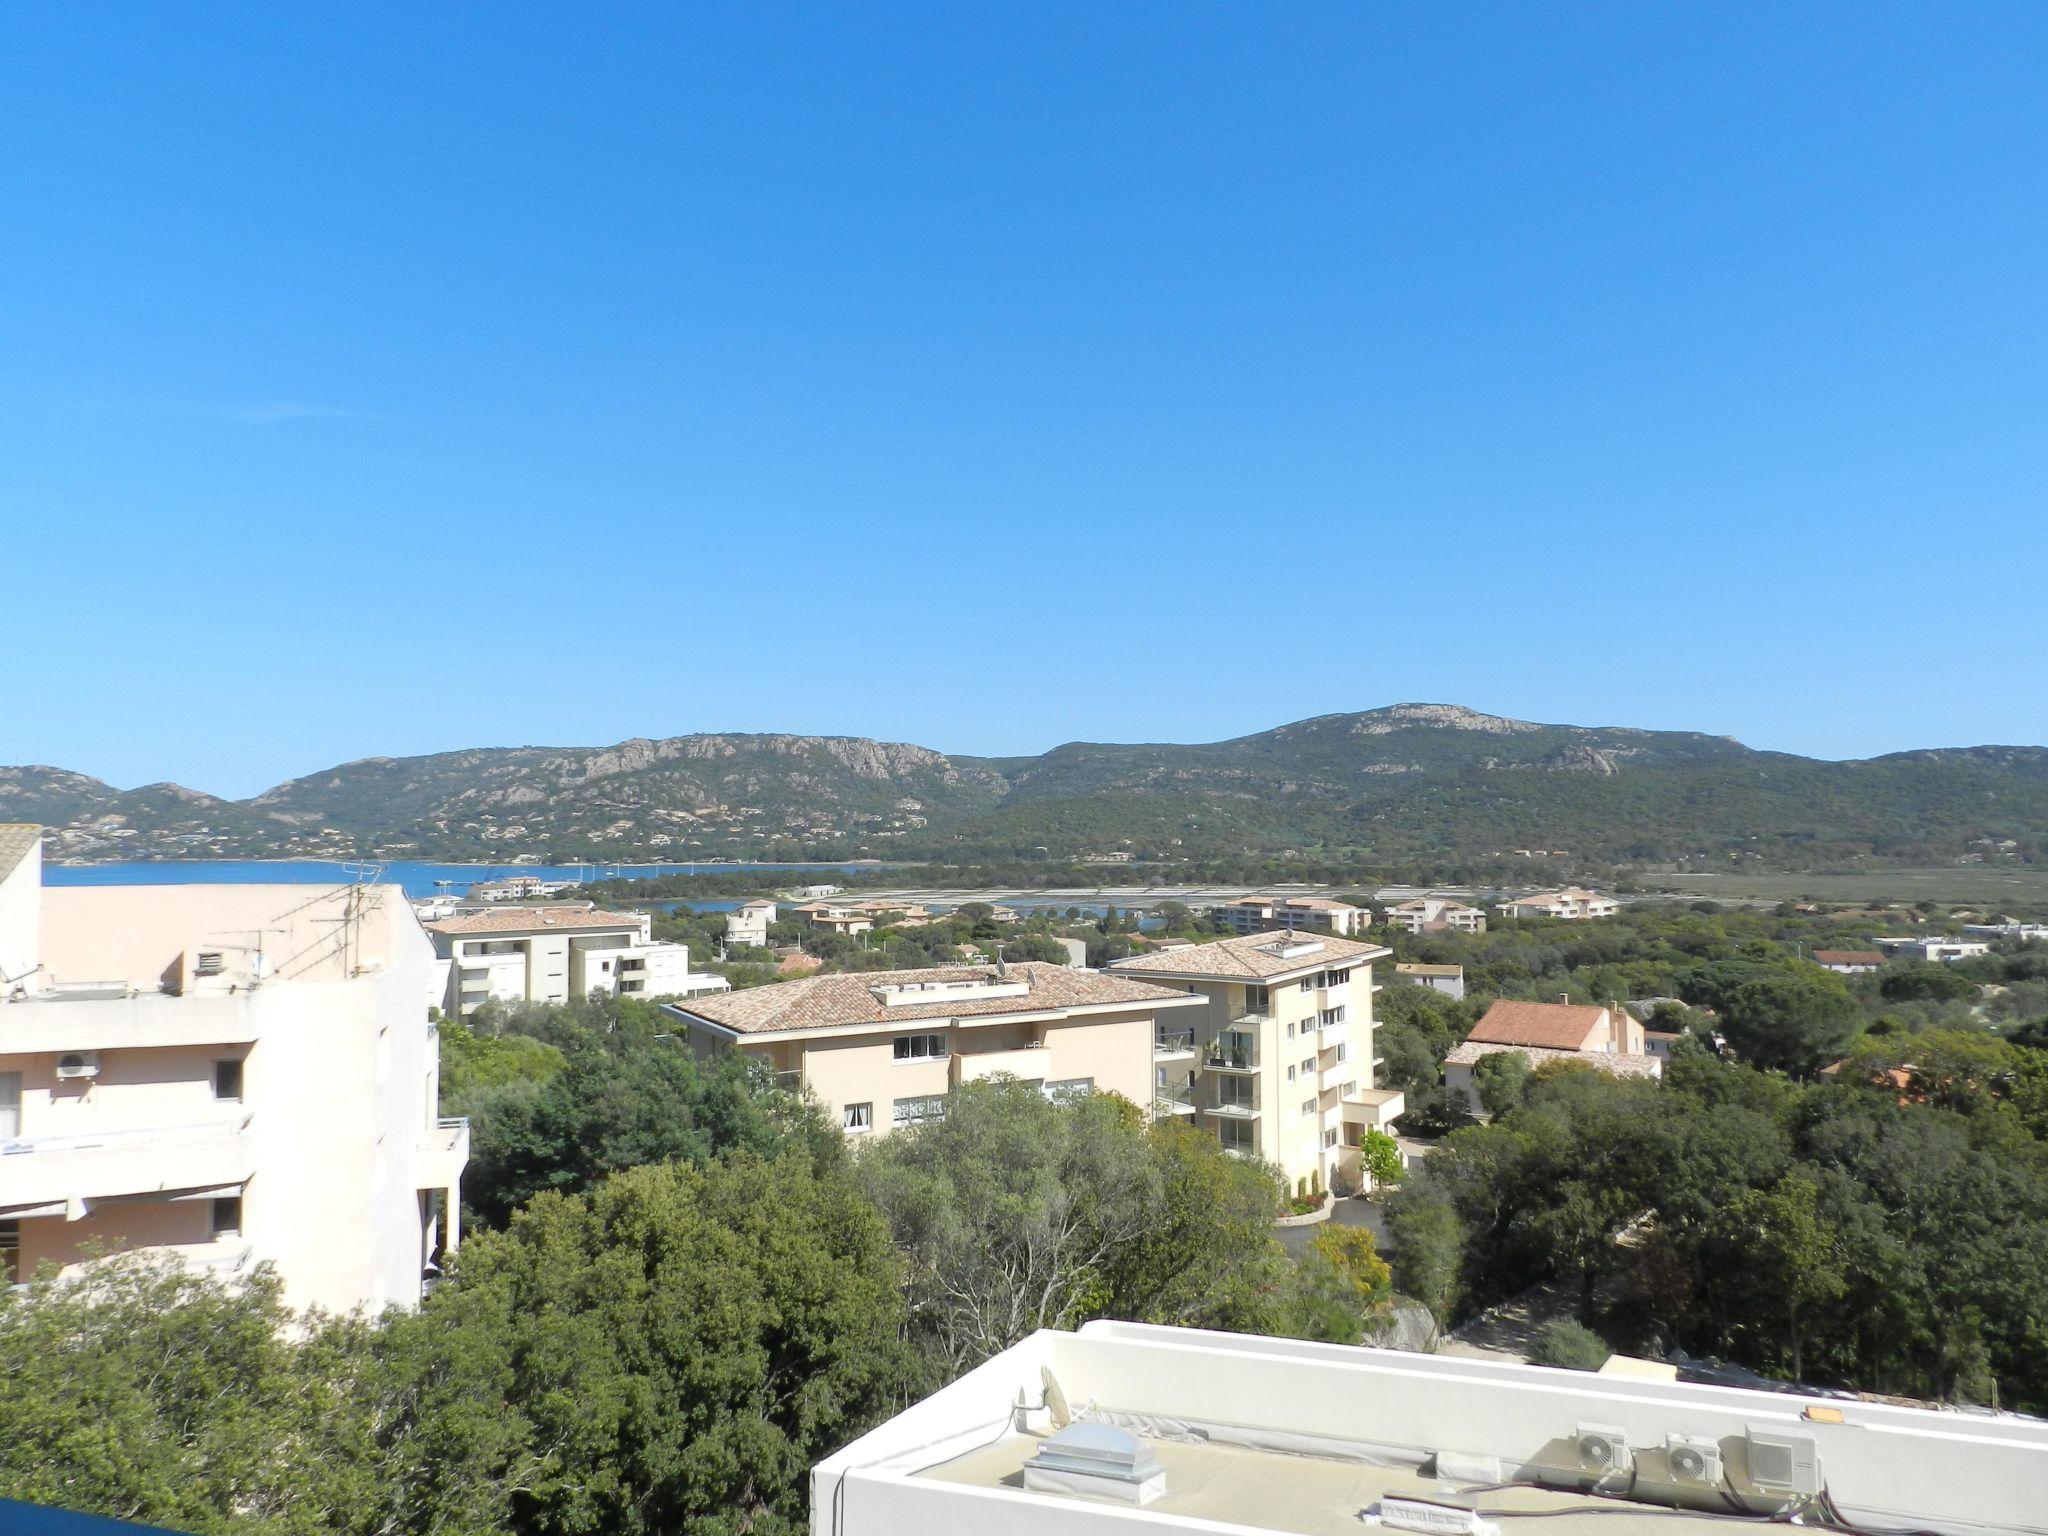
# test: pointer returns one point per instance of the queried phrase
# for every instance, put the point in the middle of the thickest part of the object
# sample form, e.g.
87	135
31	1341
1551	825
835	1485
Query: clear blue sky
387	379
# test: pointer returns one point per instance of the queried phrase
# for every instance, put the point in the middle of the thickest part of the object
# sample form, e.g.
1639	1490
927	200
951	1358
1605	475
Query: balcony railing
1173	1042
1176	1097
1236	1106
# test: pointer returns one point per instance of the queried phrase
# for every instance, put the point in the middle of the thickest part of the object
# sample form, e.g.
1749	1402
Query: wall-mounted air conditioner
78	1064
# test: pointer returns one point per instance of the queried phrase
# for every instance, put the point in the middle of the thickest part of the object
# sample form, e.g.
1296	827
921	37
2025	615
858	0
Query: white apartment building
1280	1061
1447	979
1257	914
881	1049
1935	951
553	954
229	1075
1573	904
1435	914
1126	1429
748	924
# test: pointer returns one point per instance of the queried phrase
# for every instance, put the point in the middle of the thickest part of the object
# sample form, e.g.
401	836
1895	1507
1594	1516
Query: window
227	1216
858	1117
1330	1138
1308	983
1290	1029
227	1079
1336	978
919	1108
1255	999
1308	1106
1290	1071
1308	1065
10	1252
1068	1087
920	1048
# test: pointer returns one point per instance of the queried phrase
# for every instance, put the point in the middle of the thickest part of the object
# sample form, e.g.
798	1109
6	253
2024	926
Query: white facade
554	954
229	1075
1447	979
1249	1434
1435	914
748	924
1941	951
1258	914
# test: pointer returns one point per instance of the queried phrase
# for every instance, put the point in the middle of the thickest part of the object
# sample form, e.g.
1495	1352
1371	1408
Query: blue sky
389	379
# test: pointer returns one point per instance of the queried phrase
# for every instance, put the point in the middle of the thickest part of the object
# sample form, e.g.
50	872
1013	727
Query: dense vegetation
1389	785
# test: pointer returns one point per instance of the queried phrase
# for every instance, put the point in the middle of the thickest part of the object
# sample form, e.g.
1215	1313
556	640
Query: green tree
1570	1345
1342	1287
1787	1258
1797	1021
1428	1240
1500	1077
1380	1157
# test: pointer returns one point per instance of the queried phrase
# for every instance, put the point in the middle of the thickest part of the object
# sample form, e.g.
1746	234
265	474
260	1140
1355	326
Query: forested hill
1411	781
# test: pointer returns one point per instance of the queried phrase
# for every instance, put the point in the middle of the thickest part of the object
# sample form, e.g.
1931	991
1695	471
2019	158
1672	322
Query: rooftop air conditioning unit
1693	1459
1603	1449
1781	1463
78	1064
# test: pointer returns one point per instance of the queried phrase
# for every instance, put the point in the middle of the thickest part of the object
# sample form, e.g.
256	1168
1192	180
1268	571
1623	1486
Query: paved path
1508	1331
1351	1212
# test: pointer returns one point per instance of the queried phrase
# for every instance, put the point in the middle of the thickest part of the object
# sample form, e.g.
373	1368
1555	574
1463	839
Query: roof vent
1098	1460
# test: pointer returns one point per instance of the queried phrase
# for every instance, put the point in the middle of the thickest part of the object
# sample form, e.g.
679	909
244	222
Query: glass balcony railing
1232	1052
1173	1042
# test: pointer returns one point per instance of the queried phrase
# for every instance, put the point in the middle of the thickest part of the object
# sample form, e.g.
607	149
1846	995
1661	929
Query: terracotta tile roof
1847	957
1555	1026
1255	957
526	919
1619	1063
848	997
16	839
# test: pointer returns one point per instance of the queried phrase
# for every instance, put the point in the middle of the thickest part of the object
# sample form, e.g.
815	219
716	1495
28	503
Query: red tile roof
1555	1026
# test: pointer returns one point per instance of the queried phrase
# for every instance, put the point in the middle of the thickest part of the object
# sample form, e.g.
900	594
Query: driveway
1350	1212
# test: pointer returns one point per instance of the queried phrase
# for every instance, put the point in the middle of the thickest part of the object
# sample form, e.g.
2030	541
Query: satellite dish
1055	1399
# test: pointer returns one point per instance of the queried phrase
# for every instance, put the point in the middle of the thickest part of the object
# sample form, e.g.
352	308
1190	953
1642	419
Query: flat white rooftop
1259	1435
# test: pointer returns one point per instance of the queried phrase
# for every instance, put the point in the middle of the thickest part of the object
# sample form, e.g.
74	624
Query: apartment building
1435	914
1447	979
1610	1039
880	1049
855	917
748	924
1128	1429
1257	914
553	954
228	1075
1934	951
1279	1061
1573	904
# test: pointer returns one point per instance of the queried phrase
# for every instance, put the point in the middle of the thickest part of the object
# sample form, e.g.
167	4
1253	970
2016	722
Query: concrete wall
21	920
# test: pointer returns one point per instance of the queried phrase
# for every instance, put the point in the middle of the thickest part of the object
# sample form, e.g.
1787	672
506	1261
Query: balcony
1173	1045
1336	1074
1031	1063
1232	1053
443	1153
1234	1106
1252	1018
1174	1097
56	1171
1374	1108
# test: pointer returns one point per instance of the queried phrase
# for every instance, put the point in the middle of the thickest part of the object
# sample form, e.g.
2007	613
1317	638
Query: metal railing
1241	1105
1174	1098
1233	1053
1169	1042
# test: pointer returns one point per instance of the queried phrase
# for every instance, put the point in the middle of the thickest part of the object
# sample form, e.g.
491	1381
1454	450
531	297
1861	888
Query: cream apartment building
1572	904
229	1075
1256	914
553	954
881	1049
1279	1060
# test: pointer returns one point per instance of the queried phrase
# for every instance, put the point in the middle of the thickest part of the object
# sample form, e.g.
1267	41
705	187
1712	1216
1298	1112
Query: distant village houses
1447	979
1257	914
1848	962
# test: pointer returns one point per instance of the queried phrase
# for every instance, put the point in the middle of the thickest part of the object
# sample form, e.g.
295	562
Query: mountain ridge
1410	780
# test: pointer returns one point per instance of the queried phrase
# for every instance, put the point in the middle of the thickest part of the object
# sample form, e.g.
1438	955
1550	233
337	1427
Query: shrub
1572	1346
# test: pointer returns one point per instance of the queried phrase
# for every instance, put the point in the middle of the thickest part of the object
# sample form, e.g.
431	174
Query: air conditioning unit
78	1064
1781	1463
1693	1459
1603	1449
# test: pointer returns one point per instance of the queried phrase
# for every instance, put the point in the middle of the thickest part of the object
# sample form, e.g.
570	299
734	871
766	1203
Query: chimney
1565	998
